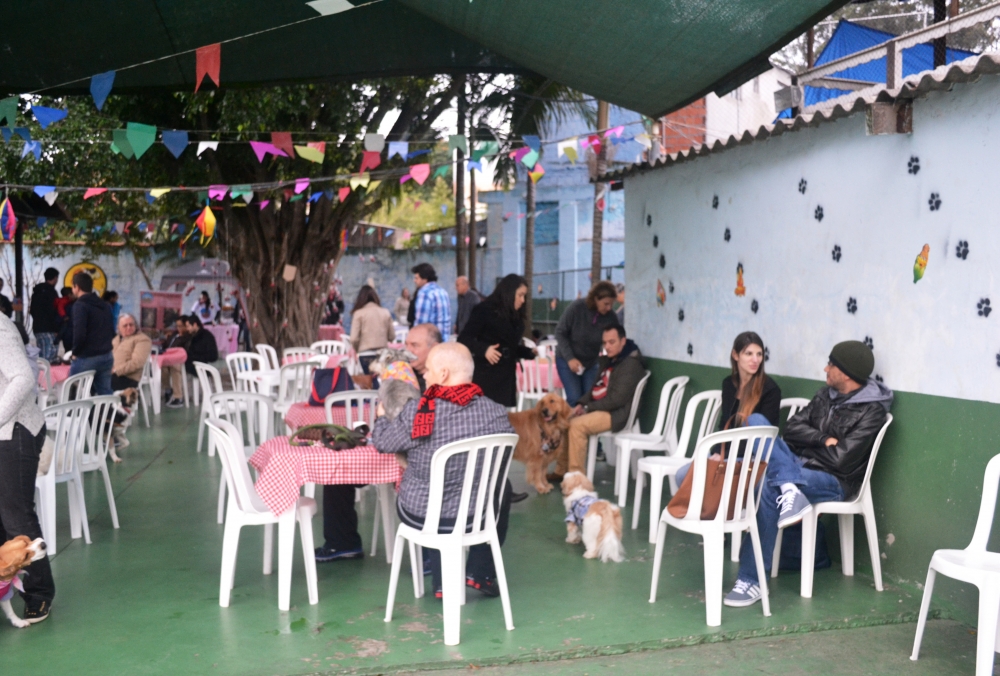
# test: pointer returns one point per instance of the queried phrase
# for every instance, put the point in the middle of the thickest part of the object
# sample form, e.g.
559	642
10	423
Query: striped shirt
433	307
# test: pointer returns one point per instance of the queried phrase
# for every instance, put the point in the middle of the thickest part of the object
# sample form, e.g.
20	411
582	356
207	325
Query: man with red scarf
451	409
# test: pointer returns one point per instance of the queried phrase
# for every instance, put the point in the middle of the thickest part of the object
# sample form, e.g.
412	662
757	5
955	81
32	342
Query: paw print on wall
869	342
818	214
726	235
913	166
670	287
983	306
852	305
934	202
680	315
649	220
767	353
690	350
663	261
962	249
656	241
754	306
715	201
836	253
802	186
879	378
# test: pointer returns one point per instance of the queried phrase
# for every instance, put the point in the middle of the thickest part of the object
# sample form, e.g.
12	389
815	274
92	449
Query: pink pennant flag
519	153
370	160
420	172
615	131
404	178
343	193
91	192
263	203
218	192
261	148
301	184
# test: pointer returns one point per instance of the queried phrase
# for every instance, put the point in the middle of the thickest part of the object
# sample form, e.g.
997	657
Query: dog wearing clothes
597	522
16	555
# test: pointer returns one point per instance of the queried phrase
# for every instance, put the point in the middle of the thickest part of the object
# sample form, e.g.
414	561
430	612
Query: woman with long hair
493	335
578	336
204	308
371	326
748	389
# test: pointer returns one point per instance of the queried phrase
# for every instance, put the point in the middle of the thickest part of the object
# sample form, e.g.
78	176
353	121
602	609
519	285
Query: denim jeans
18	467
576	385
47	345
102	365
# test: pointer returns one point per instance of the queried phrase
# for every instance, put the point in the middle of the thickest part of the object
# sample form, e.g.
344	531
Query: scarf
460	395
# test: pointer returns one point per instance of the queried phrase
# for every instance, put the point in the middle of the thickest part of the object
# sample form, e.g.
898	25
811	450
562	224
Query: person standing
579	335
333	309
620	312
93	331
468	298
402	307
204	308
63	306
111	298
432	305
131	349
45	322
22	434
371	326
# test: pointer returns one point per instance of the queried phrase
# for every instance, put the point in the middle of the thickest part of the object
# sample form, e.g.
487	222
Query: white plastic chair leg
47	503
74	511
591	457
655	508
451	588
269	548
808	553
156	388
508	616
417	568
309	490
221	516
143	403
758	556
230	543
184	389
734	547
847	543
925	605
394	577
872	531
111	494
286	548
715	552
201	431
621	472
375	518
637	504
308	553
386	502
661	535
986	629
776	556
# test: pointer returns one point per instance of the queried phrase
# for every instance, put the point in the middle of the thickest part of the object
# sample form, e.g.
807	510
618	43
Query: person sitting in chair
607	405
822	458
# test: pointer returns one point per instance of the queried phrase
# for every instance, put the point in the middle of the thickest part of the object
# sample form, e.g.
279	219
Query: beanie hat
854	358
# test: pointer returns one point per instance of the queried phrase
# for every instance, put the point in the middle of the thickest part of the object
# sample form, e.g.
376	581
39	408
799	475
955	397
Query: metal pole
599	192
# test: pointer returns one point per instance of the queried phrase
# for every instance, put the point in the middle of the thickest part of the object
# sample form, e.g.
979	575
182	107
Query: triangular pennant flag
614	131
91	192
175	141
283	140
301	184
416	153
472	164
420	172
372	186
537	173
442	170
207	62
120	144
141	137
404	178
374	143
7	133
568	148
50	197
261	148
159	192
360	180
530	159
100	87
43	190
520	152
370	160
309	153
8	221
315	197
458	142
119	227
532	142
485	148
23	132
644	140
204	145
149	198
244	191
217	192
444	209
8	111
595	142
33	147
343	194
401	148
263	203
47	116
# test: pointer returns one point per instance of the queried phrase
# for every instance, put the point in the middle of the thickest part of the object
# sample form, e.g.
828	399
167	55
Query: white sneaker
744	593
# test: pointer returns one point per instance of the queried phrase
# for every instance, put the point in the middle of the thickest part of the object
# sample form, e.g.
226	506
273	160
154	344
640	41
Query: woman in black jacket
493	335
748	390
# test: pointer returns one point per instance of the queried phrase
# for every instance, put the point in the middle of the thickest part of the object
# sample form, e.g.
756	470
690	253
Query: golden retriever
541	433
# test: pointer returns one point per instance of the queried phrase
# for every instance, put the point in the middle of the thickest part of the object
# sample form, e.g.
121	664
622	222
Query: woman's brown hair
750	397
602	289
366	294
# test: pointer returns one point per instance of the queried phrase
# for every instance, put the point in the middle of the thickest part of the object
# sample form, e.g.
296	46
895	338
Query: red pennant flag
283	140
370	160
207	62
91	192
343	193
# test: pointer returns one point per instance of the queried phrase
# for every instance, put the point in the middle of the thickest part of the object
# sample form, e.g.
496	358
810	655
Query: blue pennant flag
149	198
23	133
47	116
43	190
41	221
7	133
473	164
100	87
315	197
33	147
175	141
532	142
415	153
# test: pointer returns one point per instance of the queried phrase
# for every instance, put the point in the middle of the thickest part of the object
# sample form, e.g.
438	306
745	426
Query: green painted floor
144	599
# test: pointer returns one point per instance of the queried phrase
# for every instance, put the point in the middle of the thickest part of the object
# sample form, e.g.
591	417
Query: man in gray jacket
608	404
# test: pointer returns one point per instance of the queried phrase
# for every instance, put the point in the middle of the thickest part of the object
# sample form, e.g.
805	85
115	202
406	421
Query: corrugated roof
915	86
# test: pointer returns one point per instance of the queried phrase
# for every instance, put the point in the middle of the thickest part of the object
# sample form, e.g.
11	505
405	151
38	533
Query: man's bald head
462	285
449	364
420	339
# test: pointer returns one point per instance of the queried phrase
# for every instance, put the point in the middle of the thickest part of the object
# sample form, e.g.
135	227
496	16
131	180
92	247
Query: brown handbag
716	477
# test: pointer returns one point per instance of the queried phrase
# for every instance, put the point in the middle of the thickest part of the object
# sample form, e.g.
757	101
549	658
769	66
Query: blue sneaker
792	506
745	593
327	553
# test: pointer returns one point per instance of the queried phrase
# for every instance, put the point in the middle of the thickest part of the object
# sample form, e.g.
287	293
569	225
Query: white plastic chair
401	333
247	509
146	382
252	415
77	387
243	362
659	467
794	405
547	349
536	380
329	347
294	385
99	434
270	356
974	565
46	395
155	384
68	422
860	504
609	436
759	443
663	436
480	528
211	383
295	354
45	502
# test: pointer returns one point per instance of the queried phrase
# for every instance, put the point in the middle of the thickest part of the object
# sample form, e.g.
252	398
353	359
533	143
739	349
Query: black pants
18	468
340	520
119	383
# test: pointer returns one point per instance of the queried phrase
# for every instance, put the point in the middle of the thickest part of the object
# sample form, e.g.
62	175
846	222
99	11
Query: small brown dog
541	431
15	555
597	522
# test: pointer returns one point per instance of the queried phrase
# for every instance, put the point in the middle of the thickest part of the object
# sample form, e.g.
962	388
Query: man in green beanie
822	457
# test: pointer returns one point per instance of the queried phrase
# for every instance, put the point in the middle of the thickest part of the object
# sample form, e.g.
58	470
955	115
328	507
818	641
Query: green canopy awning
652	56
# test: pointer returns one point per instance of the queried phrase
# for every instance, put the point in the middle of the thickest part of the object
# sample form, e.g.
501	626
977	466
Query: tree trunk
529	247
600	190
460	189
473	229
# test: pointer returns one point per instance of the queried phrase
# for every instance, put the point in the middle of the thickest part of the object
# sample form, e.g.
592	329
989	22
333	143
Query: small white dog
15	555
599	521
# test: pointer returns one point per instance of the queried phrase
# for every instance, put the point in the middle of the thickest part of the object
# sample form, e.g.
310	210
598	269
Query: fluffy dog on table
16	555
541	431
599	521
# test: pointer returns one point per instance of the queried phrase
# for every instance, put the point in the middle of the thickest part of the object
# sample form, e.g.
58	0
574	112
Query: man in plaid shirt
432	305
456	410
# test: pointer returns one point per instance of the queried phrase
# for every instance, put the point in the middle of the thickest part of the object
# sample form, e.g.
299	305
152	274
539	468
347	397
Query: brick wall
684	128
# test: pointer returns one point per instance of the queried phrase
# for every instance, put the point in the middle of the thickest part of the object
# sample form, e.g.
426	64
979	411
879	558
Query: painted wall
827	223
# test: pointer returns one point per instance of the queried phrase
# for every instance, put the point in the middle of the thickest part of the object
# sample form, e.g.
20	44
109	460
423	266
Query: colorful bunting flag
217	192
519	153
537	173
360	180
404	178
568	148
301	184
175	141
140	136
420	172
532	142
472	164
415	153
120	144
205	145
50	197
283	140
208	61
23	132
314	152
315	197
614	131
374	143
244	191
485	148
263	203
47	116
343	194
442	171
100	87
458	142
8	221
530	159
261	148
159	192
33	147
370	160
92	192
8	111
43	190
401	148
644	140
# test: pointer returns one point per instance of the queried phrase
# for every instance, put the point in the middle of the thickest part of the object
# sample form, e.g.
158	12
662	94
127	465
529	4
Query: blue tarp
849	38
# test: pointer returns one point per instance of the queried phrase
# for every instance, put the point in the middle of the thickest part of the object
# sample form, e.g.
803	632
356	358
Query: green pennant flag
485	148
442	170
120	144
458	142
8	111
141	137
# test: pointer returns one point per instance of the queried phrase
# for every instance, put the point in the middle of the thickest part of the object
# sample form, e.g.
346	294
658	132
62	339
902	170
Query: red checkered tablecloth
542	370
302	414
285	468
331	332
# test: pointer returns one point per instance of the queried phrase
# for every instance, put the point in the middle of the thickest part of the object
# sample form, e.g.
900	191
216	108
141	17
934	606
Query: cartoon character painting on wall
740	289
920	265
661	294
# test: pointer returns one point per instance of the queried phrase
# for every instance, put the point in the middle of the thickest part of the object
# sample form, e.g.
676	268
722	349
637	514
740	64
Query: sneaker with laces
327	553
36	611
744	593
792	506
175	403
487	586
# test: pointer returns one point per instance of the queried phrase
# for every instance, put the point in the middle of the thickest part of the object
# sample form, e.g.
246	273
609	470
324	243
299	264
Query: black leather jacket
853	425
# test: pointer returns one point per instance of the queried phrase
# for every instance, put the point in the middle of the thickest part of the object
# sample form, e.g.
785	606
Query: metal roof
915	86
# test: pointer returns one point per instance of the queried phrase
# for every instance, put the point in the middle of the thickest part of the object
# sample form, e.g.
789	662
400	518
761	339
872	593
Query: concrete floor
144	599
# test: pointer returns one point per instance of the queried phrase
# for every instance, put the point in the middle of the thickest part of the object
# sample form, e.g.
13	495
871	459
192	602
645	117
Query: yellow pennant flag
360	180
311	154
157	193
